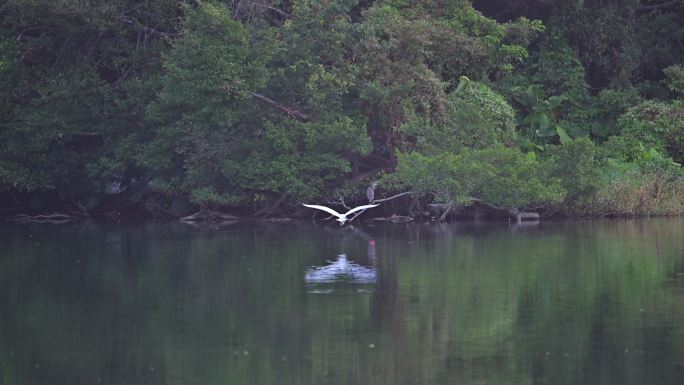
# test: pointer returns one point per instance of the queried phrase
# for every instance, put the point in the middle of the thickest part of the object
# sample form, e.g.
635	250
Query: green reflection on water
559	303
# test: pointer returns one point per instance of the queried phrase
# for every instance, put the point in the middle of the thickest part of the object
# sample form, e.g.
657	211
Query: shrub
674	79
651	124
476	117
635	193
576	164
496	175
653	184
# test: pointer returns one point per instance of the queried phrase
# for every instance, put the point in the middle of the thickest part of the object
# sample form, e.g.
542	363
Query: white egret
342	218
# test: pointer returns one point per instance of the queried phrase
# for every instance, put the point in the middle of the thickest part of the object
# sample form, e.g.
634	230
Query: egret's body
342	218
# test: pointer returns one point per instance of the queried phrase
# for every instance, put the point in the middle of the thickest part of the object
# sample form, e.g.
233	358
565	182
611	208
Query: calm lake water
595	302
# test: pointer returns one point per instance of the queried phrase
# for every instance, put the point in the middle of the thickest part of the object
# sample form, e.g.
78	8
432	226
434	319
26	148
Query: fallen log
207	215
54	218
278	220
527	216
394	219
210	224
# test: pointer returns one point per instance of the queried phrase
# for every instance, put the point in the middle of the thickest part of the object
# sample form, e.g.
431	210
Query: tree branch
509	210
378	201
364	175
665	4
340	202
288	111
444	215
149	31
392	197
265	212
272	9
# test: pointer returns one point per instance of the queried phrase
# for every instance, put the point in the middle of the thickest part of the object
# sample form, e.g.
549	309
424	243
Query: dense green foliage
498	175
257	107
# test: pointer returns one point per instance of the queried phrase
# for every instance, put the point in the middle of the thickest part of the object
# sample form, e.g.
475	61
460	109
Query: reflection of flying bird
341	270
342	218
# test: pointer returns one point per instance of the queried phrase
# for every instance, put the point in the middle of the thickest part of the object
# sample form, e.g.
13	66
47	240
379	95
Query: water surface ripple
585	302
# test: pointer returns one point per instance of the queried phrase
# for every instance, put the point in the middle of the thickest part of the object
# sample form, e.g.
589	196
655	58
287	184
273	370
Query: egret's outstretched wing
323	208
355	209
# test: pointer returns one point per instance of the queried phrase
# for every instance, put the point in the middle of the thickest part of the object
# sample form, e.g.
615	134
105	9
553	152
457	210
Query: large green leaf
535	93
563	136
555	101
543	122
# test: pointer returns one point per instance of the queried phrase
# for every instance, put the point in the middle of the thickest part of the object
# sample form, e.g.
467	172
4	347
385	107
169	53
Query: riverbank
617	201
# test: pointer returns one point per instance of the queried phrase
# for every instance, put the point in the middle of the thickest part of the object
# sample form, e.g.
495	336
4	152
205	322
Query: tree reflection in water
558	303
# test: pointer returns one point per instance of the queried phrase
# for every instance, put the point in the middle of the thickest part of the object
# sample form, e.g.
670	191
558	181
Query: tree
219	145
76	79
